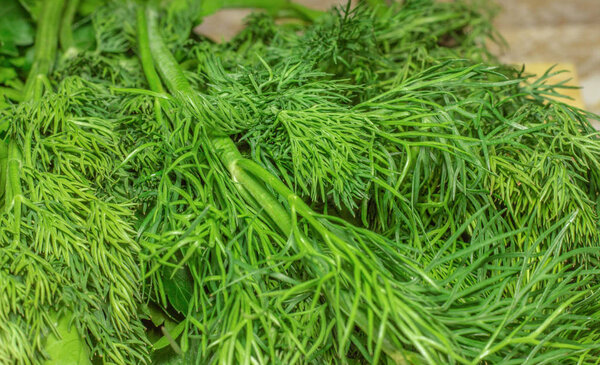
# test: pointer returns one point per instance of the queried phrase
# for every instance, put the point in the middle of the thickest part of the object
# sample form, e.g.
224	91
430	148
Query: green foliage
33	7
372	187
470	260
70	246
66	348
15	29
472	271
16	37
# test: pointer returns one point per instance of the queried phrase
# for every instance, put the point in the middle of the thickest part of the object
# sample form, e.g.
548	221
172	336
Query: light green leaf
172	335
68	348
87	7
7	73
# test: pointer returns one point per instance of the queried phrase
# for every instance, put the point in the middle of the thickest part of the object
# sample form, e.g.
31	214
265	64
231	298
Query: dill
365	185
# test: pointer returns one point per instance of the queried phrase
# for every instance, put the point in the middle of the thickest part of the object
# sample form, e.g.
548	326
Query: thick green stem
380	5
305	12
66	28
13	186
145	54
230	157
45	47
147	62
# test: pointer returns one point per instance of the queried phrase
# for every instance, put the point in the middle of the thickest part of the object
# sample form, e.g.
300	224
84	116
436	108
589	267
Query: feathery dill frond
295	123
73	253
523	158
406	299
111	60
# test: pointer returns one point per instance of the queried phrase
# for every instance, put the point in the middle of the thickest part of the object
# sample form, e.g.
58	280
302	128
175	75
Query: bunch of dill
366	185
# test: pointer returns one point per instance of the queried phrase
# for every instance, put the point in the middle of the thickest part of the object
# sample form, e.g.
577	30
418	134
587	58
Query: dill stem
13	188
147	62
227	151
304	12
145	54
67	43
273	6
45	47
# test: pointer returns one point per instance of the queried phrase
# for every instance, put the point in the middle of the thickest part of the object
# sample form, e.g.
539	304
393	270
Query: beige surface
537	31
556	31
532	13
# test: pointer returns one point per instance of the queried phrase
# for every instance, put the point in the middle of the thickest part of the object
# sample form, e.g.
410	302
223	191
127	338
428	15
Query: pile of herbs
364	185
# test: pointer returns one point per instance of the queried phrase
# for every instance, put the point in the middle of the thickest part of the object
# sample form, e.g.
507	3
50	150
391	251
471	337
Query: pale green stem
45	47
67	44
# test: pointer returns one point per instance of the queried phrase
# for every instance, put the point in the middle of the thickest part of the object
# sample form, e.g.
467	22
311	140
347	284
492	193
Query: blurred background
539	33
556	31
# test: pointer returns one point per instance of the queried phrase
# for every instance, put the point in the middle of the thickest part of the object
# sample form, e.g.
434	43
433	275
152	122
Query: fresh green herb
69	272
366	185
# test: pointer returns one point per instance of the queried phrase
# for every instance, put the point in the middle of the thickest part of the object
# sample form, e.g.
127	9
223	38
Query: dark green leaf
167	356
15	28
171	334
84	37
8	48
179	290
19	62
34	7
